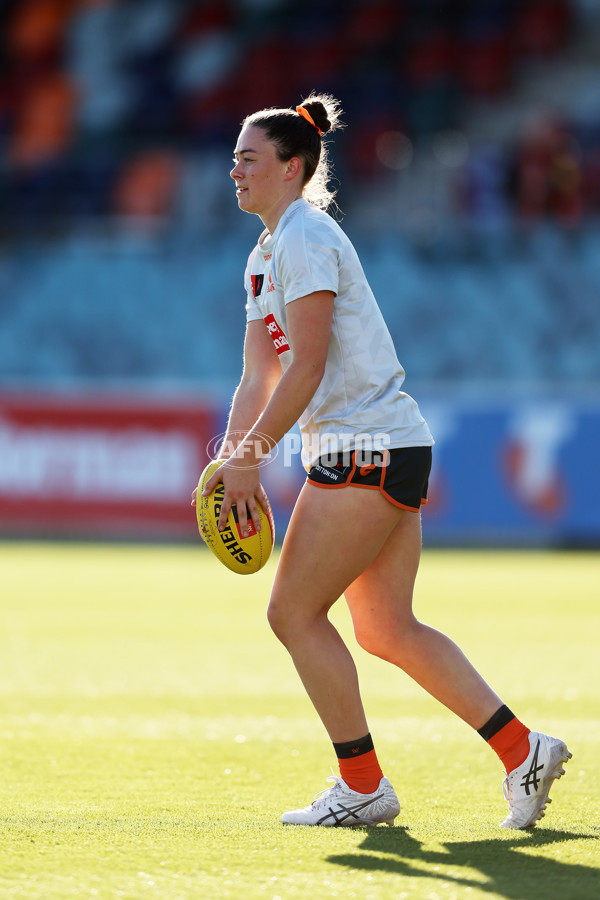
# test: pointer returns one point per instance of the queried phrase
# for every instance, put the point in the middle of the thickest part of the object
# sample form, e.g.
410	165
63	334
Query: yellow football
244	555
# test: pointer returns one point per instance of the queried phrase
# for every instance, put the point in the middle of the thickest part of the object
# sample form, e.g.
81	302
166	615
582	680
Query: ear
293	168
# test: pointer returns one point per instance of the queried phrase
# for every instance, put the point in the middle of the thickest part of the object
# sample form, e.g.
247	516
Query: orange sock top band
361	773
511	744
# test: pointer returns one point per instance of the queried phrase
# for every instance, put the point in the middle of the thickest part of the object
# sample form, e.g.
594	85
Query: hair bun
325	111
318	114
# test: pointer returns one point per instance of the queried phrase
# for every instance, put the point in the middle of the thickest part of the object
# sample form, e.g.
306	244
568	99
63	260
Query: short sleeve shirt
360	392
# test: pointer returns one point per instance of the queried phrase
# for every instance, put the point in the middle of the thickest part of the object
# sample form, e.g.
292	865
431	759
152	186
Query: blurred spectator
35	32
542	29
87	85
146	189
44	126
545	179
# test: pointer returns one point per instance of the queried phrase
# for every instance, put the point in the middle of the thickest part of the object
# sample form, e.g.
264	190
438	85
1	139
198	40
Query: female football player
317	351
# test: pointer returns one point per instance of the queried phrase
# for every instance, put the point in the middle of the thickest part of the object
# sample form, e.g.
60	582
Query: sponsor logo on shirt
277	335
257	283
271	286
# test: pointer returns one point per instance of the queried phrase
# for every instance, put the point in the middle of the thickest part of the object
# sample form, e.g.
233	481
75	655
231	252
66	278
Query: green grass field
153	731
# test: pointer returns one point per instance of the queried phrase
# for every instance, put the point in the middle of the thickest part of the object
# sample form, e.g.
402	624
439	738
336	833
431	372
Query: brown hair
293	135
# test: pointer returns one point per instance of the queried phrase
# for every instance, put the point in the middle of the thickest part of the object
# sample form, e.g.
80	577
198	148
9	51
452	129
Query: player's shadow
502	869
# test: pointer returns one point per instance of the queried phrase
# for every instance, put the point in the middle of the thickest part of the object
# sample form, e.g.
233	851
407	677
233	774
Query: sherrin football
244	555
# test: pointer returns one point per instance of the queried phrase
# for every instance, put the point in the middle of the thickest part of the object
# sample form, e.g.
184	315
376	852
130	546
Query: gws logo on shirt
277	335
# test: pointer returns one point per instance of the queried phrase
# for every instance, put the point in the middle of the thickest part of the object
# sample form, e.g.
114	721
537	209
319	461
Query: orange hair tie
302	111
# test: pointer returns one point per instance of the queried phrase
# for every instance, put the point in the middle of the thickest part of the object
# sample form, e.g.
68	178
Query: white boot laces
326	792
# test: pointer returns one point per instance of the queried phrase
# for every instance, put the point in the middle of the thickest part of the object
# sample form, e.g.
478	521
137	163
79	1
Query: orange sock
359	766
511	744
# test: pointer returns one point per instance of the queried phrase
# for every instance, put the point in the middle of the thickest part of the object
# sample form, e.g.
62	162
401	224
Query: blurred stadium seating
469	179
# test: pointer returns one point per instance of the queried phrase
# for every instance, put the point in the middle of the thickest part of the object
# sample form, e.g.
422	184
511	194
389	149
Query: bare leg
354	541
333	535
380	602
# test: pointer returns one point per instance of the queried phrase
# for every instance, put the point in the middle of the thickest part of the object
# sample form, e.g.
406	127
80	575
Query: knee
277	619
390	643
281	618
378	643
291	620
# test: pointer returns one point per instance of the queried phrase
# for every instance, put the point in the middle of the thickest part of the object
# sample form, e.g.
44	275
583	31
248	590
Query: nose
234	172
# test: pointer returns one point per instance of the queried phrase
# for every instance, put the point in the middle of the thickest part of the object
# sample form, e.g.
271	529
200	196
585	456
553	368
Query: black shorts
401	474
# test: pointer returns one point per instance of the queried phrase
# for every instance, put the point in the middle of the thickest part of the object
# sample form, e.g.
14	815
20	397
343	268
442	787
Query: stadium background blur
469	180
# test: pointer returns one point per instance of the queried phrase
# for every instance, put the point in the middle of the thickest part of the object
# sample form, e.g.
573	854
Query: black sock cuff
500	718
350	749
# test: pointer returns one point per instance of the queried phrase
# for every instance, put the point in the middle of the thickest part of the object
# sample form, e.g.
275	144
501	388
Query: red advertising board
111	466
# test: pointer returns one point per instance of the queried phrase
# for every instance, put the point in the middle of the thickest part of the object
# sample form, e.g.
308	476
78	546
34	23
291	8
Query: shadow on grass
503	869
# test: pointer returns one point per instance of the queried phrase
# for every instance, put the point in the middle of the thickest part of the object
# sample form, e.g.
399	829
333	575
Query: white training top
359	397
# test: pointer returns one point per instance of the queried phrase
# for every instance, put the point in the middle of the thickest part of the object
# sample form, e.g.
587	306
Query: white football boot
340	806
526	787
